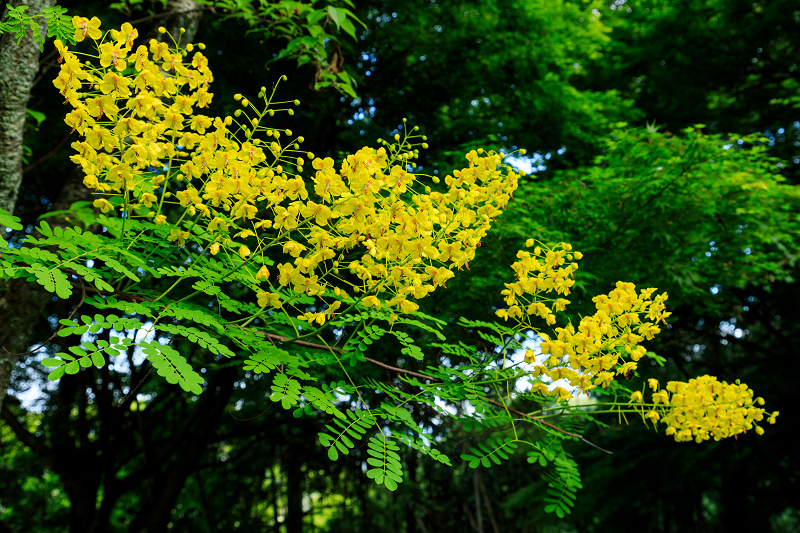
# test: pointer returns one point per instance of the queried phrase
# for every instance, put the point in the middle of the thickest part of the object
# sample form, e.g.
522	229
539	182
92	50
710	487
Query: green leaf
172	366
348	28
57	373
98	360
53	280
332	453
335	16
39	117
10	221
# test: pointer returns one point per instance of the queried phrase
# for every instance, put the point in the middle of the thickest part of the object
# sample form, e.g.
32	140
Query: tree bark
19	64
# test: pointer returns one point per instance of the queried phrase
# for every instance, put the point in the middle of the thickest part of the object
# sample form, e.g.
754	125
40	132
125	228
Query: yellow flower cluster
603	345
368	227
705	408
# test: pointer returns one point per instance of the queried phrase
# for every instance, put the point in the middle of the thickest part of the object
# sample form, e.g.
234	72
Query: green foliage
8	220
690	211
384	461
562	486
492	451
172	366
18	21
311	33
285	390
339	440
86	355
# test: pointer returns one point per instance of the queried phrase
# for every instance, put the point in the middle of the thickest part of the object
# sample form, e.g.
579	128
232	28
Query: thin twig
281	338
124	400
262	413
119	294
540	421
400	370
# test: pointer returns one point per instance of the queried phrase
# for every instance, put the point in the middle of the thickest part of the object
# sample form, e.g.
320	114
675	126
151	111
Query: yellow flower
115	82
90	181
269	298
652	416
112	54
148	199
125	35
85	27
372	301
244	251
179	235
104	205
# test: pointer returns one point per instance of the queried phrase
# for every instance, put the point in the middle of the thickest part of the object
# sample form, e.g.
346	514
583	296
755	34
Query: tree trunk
477	493
19	64
294	495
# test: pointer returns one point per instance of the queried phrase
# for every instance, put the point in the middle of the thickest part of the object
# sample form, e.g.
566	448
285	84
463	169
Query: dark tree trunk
294	495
